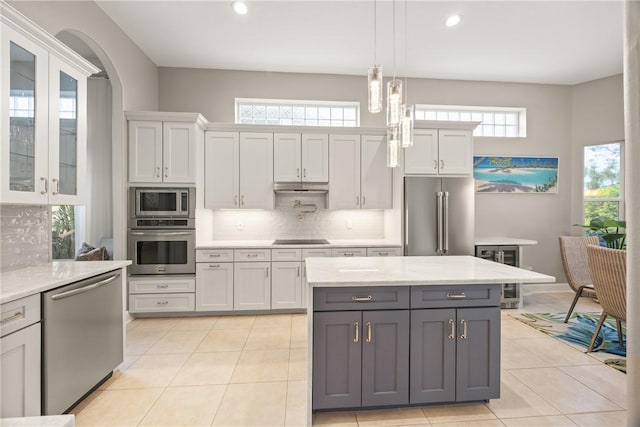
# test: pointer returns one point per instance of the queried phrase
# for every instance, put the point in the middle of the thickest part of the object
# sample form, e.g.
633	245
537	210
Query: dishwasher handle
84	288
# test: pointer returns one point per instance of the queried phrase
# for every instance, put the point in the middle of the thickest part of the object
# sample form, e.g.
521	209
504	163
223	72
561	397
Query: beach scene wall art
515	174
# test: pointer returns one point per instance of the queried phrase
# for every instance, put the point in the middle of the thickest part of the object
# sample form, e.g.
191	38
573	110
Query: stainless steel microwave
162	202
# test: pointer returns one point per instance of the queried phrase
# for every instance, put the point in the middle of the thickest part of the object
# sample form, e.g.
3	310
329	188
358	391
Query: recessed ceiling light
239	7
453	20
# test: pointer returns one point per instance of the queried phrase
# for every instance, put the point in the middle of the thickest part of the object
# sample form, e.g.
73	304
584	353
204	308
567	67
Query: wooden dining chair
608	269
573	250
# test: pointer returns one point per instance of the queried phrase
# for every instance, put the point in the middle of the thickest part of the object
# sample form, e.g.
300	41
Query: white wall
542	217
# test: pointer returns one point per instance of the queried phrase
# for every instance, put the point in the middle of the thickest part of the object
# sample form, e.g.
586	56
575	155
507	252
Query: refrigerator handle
445	223
439	220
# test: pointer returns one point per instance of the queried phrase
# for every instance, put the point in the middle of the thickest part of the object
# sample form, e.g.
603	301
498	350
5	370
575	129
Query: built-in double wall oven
162	230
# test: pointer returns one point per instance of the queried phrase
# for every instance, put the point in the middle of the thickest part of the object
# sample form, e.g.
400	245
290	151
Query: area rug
578	332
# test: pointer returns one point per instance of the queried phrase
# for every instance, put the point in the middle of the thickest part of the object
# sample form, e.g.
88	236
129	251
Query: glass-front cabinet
43	86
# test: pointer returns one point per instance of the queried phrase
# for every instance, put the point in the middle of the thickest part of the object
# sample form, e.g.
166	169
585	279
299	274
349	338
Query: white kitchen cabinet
439	152
214	286
161	294
43	115
301	157
358	173
286	285
20	349
252	286
239	170
395	251
162	151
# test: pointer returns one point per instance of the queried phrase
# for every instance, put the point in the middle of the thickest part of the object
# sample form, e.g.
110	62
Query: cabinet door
433	356
385	357
286	285
256	170
376	178
252	286
145	151
315	157
214	286
337	359
344	171
478	354
455	152
422	157
286	157
67	134
24	80
179	152
20	373
221	170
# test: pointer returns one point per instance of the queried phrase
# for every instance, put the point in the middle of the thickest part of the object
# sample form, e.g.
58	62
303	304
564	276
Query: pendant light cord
406	48
375	32
394	39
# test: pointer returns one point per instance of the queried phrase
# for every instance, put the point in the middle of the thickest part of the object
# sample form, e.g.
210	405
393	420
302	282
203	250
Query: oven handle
161	233
84	289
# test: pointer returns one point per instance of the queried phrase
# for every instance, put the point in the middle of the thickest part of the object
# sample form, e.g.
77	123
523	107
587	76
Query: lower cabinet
286	285
162	294
214	286
361	358
252	286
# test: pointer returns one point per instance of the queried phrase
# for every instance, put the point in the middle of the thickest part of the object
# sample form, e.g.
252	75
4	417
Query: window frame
620	198
238	102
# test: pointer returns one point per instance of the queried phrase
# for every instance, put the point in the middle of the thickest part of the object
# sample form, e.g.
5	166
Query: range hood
301	187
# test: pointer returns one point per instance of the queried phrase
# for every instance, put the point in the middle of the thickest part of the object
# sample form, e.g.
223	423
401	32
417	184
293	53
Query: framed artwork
515	174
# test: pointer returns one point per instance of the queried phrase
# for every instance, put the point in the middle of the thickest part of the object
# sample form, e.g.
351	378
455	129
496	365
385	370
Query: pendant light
406	122
393	141
394	87
375	72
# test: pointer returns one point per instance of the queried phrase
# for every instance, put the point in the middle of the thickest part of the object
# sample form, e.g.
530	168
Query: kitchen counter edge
268	244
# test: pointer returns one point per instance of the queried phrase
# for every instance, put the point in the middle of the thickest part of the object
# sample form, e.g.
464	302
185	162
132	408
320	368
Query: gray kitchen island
400	331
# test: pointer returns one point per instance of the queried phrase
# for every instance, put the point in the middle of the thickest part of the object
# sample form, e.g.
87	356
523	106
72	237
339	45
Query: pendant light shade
392	146
406	127
375	89
394	102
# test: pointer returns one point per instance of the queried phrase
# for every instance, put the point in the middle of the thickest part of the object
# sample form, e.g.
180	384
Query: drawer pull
162	302
252	255
461	295
17	315
214	265
368	331
349	254
214	255
361	299
383	253
162	286
356	336
464	329
298	271
452	334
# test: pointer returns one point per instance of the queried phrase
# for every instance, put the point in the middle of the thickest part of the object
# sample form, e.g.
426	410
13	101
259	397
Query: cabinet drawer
361	298
319	252
19	314
157	303
286	255
218	255
349	252
161	285
455	296
384	252
252	255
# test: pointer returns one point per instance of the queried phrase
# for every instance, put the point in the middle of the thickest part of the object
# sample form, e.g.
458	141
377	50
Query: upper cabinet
43	113
440	152
301	157
162	147
358	174
238	170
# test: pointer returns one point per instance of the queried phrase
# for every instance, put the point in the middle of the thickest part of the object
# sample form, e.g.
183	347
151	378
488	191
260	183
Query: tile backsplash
24	236
287	221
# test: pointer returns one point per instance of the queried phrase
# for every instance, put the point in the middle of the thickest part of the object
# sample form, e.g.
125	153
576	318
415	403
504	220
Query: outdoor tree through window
603	184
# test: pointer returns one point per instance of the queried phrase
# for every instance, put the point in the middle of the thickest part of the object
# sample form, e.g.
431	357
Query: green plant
610	231
62	232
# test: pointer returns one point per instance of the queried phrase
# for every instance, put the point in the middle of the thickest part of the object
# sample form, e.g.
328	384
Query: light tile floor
250	371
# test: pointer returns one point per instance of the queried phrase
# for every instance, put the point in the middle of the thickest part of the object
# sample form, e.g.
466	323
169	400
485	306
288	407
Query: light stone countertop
45	421
16	284
503	241
415	270
333	243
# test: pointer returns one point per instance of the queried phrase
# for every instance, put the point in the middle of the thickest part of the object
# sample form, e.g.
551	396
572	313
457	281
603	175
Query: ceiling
561	42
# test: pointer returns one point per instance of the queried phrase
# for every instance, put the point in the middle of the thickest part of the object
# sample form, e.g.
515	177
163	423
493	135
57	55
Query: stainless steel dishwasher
82	339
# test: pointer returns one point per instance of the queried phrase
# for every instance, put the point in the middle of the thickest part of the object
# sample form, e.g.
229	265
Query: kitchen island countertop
23	282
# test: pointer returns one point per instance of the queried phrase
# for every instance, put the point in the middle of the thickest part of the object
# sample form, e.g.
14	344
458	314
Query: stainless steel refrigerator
438	216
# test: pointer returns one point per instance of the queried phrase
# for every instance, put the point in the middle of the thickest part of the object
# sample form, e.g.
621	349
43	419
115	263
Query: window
66	230
603	181
498	122
297	113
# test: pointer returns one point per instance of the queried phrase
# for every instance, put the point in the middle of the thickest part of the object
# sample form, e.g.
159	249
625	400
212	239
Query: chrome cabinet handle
166	171
298	271
242	200
162	302
157	171
361	299
267	271
445	223
349	254
297	172
441	164
252	255
364	200
368	331
304	172
383	253
464	329
356	337
17	315
84	289
435	165
461	295
452	334
57	182
46	185
235	200
214	265
214	255
357	200
162	286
